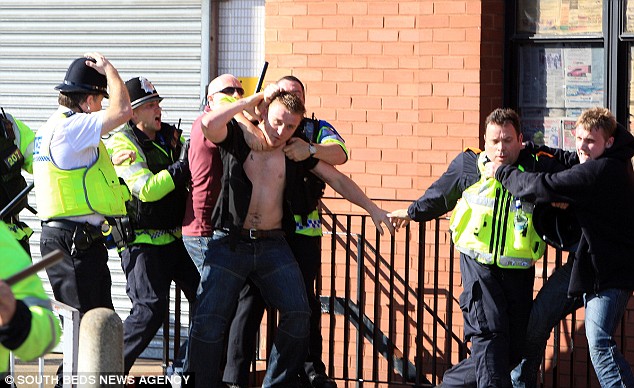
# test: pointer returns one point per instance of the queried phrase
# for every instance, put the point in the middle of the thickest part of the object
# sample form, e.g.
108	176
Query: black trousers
496	305
82	278
251	306
149	271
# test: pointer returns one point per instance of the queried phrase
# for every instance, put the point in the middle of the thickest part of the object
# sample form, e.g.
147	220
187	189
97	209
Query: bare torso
266	171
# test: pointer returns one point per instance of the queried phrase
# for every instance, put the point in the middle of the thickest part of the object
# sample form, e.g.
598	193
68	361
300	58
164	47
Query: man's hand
399	218
101	62
380	216
7	304
296	149
490	168
121	156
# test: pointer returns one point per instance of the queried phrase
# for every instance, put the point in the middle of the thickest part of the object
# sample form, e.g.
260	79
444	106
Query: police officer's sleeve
34	329
143	184
26	145
445	192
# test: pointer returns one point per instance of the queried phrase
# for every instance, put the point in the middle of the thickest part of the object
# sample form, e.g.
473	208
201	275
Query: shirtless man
250	222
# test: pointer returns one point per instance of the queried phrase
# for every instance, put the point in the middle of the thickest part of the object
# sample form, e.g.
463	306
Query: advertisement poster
560	16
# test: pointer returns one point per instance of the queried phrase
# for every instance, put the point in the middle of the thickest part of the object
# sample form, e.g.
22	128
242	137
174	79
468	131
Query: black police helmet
141	91
83	79
556	226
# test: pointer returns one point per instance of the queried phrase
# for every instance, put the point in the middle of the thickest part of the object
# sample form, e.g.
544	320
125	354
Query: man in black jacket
496	256
599	189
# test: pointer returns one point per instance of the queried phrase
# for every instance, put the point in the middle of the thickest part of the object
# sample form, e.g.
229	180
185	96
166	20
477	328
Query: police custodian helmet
141	91
83	79
556	226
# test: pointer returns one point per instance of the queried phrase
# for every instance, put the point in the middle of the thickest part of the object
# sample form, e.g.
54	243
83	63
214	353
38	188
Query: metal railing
391	313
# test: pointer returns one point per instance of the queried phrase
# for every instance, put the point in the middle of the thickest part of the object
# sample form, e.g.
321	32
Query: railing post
70	337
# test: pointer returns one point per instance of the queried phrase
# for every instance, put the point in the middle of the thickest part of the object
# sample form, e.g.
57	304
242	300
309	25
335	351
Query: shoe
319	380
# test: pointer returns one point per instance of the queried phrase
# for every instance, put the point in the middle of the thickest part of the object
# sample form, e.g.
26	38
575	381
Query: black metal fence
391	315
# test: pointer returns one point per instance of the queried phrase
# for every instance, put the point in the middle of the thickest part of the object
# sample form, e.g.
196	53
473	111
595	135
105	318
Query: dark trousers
82	279
149	270
245	324
496	305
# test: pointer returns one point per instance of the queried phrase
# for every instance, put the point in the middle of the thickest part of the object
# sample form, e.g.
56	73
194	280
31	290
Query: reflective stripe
139	183
312	226
33	301
128	171
157	237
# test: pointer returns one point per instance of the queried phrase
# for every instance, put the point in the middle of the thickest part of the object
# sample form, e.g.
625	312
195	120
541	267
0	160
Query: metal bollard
100	349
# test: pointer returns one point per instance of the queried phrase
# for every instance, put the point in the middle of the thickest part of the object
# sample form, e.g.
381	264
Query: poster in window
559	16
542	72
583	78
568	126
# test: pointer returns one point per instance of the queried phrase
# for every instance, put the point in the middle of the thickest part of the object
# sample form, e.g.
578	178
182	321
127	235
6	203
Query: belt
254	234
70	226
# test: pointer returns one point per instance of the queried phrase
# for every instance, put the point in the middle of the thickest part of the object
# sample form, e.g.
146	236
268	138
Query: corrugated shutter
159	39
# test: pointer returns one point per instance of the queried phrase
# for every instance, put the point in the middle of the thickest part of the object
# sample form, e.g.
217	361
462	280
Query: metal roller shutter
159	39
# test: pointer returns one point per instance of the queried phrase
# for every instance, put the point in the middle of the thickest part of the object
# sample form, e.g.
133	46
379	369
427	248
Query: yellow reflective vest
77	192
45	327
482	226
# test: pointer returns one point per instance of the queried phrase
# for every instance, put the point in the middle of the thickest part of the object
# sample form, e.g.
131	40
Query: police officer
496	254
76	186
16	151
28	327
157	177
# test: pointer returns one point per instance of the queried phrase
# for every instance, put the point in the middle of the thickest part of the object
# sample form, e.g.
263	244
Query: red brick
365	154
338	102
367	75
376	192
382	142
367	48
448	89
336	47
351	62
321	61
449	62
338	22
320	88
366	102
364	128
400	22
397	103
367	21
397	156
398	49
381	89
383	8
383	35
352	8
293	9
293	35
352	88
322	9
450	7
279	48
354	115
292	61
322	35
464	21
464	103
397	182
352	35
383	167
383	62
397	129
308	22
449	35
307	48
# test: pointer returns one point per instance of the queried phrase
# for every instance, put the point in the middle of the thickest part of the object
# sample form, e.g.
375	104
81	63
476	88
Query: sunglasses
231	90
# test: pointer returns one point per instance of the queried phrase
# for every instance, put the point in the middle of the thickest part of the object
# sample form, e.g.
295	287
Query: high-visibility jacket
318	132
33	332
157	206
16	154
482	226
77	192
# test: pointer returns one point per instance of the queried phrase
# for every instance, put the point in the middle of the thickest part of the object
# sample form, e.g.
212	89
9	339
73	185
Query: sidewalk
27	372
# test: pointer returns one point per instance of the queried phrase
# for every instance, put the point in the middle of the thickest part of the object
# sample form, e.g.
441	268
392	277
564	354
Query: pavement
26	373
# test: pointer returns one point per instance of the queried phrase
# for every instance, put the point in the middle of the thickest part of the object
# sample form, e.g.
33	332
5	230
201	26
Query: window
566	56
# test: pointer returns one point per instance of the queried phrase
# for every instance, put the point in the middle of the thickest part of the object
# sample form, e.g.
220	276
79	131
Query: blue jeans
549	307
197	247
271	266
604	311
